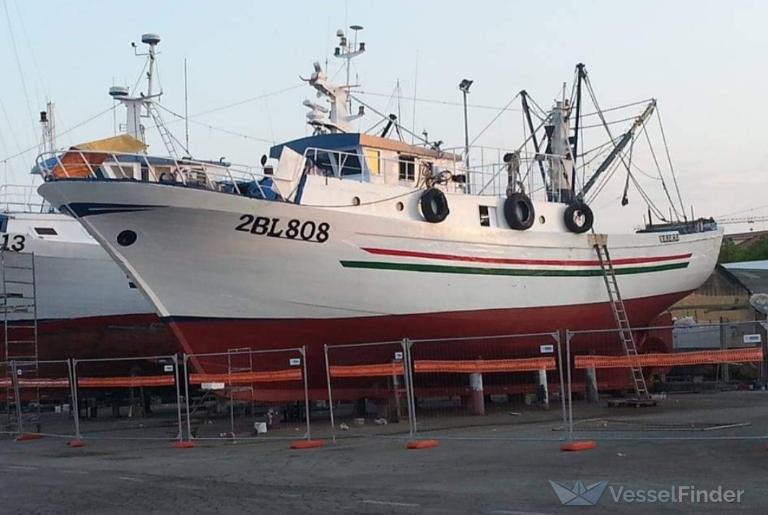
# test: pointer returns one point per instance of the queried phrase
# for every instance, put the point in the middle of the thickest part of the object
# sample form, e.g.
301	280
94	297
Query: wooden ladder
627	339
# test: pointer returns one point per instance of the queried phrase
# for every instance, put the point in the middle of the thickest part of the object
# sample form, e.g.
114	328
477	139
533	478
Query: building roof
755	280
747	265
346	142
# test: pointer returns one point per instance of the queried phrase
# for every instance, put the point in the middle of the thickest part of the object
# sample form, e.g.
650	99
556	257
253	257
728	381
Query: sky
703	61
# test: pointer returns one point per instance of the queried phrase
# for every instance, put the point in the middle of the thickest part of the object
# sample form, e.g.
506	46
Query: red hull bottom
206	335
101	338
116	336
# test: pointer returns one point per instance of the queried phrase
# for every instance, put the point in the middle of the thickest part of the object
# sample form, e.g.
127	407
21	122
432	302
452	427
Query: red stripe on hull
510	261
198	335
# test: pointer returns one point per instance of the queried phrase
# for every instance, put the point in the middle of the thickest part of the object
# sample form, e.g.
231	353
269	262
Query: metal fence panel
488	387
247	394
368	389
126	399
36	398
712	387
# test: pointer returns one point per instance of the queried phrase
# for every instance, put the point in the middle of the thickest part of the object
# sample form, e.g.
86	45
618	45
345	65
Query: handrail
18	198
486	178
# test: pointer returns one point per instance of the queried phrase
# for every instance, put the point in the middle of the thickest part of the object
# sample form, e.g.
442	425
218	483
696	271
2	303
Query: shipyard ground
378	475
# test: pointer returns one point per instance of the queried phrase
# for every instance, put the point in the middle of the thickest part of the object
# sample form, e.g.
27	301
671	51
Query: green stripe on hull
447	269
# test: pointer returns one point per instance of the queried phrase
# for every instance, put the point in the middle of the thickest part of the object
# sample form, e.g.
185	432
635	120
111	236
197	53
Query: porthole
399	206
126	238
542	219
355	201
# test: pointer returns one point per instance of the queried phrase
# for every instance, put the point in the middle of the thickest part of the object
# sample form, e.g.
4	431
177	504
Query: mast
558	152
48	128
338	117
580	73
625	139
349	52
135	105
527	112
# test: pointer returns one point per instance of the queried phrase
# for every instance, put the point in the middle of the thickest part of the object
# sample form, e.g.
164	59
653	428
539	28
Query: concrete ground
478	469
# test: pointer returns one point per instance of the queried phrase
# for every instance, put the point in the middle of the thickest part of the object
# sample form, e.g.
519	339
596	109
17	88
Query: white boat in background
83	304
352	237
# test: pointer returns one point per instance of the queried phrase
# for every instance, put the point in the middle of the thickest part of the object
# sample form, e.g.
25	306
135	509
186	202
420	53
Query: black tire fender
519	211
578	218
434	205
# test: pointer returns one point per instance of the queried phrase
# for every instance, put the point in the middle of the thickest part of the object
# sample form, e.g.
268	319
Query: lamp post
464	87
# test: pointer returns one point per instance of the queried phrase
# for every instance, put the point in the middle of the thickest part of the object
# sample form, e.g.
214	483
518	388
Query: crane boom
626	138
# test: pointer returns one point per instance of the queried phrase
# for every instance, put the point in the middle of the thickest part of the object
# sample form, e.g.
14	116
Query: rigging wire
616	108
35	146
211	127
643	194
669	159
138	79
41	79
438	102
414	135
495	118
658	168
10	127
247	100
612	122
18	65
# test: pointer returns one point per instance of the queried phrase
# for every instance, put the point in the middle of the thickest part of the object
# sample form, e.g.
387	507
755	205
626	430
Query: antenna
186	107
348	51
339	117
134	105
152	40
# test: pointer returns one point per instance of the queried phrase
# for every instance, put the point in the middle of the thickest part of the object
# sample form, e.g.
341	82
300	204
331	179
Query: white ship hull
193	264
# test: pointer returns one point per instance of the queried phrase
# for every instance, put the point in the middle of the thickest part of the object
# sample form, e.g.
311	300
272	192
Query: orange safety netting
124	382
709	357
484	365
271	376
375	370
36	383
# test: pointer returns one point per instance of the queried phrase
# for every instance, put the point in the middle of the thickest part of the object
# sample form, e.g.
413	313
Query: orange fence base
76	443
25	437
422	444
183	444
579	445
307	444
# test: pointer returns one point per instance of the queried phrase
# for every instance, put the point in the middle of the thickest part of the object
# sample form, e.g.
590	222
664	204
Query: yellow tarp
81	164
123	143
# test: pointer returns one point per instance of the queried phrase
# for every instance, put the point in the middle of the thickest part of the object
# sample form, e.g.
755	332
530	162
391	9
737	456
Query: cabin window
327	163
487	216
46	231
407	168
123	171
374	161
485	219
349	165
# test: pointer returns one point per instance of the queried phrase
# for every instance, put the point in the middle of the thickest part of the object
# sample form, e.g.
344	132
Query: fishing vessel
345	237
